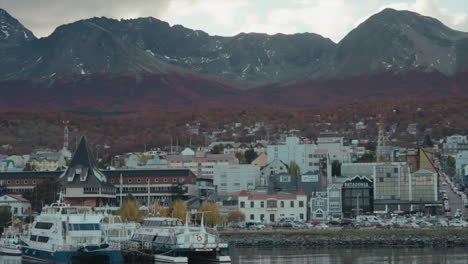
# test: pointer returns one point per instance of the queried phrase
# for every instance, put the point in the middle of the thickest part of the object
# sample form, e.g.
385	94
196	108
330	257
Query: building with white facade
334	201
318	206
455	144
335	146
293	150
18	205
201	164
273	168
269	208
235	178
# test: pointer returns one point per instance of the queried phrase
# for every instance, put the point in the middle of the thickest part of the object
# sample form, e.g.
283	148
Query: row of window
272	204
147	180
18	182
42	239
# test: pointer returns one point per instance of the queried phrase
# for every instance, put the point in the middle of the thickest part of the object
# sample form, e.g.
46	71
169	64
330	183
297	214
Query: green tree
294	169
46	192
368	157
5	216
336	168
250	155
217	149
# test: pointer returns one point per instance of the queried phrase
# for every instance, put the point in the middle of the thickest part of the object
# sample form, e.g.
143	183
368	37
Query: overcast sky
329	18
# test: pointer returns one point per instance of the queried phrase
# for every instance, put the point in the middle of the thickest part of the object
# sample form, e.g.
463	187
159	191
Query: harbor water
336	256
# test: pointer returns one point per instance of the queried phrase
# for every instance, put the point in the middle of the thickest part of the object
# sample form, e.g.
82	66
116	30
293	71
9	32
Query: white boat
115	230
10	242
167	240
67	234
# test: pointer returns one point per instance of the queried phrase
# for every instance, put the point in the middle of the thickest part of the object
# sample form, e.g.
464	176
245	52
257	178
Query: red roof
264	196
18	197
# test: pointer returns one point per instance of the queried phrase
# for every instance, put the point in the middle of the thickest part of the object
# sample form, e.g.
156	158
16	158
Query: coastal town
290	182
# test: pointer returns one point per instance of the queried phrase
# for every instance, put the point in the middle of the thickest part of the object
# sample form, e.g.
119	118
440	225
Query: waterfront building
269	208
273	168
83	183
357	196
235	178
292	150
17	203
318	204
47	161
455	144
337	147
334	202
201	164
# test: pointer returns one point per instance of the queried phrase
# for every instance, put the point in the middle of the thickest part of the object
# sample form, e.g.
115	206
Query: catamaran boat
168	240
115	230
10	242
67	234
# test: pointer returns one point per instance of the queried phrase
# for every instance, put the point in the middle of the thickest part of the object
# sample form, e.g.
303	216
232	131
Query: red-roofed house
16	202
269	208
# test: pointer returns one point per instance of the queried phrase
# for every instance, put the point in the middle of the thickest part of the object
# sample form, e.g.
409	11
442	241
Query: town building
17	203
293	150
334	202
269	208
338	148
47	161
202	163
318	206
235	178
261	161
357	195
272	168
455	144
83	183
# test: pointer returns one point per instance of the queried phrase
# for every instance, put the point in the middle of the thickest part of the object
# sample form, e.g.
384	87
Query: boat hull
10	251
59	257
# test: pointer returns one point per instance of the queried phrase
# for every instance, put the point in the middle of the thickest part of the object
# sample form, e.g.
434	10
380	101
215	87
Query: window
8	182
156	180
262	217
112	181
381	179
17	182
252	217
174	179
33	182
83	227
252	204
166	180
129	180
147	180
301	216
395	170
262	204
301	204
43	225
25	182
292	204
282	204
271	204
242	204
389	175
138	180
43	239
33	238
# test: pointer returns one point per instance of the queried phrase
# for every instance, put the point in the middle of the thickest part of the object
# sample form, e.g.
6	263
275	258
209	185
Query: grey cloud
43	16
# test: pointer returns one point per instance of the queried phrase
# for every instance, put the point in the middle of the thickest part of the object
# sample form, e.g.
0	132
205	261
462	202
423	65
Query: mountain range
144	63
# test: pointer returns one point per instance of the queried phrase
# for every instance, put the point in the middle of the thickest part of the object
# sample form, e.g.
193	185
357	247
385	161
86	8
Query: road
455	200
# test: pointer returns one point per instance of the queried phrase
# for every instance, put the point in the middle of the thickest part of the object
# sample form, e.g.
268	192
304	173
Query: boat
68	234
115	230
168	240
10	242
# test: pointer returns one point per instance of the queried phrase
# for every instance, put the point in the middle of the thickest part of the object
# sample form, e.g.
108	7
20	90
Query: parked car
254	225
321	226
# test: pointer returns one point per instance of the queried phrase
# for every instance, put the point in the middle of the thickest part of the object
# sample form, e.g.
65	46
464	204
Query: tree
179	210
217	149
368	157
159	210
336	168
211	214
5	216
250	155
44	193
235	216
294	169
130	211
29	167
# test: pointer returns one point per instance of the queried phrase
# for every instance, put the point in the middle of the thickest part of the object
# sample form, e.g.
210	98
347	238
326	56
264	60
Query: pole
121	182
357	214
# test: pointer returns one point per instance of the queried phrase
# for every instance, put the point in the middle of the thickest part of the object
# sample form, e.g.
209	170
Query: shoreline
431	238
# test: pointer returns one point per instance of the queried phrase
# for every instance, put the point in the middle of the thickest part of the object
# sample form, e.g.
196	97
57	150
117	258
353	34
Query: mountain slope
395	40
12	32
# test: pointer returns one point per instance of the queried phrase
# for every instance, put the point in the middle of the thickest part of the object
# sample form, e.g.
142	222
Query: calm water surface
337	256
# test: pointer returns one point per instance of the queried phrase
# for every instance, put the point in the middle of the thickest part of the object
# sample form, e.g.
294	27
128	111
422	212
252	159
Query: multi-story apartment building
201	164
455	144
269	208
235	178
337	147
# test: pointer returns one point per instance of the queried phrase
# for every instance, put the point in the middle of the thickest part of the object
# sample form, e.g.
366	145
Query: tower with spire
83	183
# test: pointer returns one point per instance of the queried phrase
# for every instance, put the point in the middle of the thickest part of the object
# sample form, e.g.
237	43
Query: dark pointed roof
83	164
427	141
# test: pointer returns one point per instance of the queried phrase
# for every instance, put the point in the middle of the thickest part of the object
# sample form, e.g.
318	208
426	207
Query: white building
318	206
17	203
334	201
269	208
335	146
293	150
455	144
235	178
273	168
